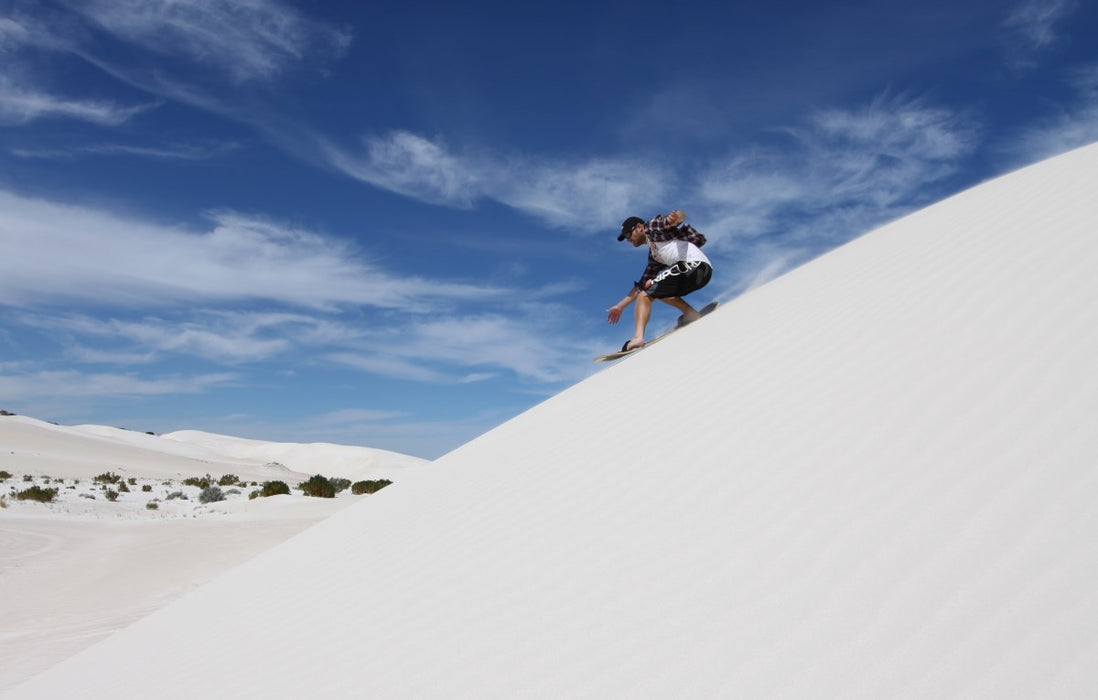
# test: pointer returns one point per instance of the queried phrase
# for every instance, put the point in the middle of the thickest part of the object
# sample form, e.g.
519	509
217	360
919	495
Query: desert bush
318	486
37	493
177	494
122	487
201	482
228	480
112	495
152	505
107	478
146	488
28	478
360	487
341	485
211	494
132	481
274	488
5	475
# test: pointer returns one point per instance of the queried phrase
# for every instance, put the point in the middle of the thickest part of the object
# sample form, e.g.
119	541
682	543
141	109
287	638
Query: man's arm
662	228
614	312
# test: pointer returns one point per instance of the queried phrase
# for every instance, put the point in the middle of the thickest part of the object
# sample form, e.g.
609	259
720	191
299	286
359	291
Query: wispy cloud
1033	27
52	385
182	152
836	175
411	165
251	290
52	251
12	34
197	52
532	342
590	192
24	98
1074	124
244	40
20	105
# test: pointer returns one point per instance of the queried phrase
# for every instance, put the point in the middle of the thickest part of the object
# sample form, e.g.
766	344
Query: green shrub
228	480
107	478
152	505
341	485
200	482
37	493
360	487
211	494
4	476
274	488
122	487
319	487
112	495
146	488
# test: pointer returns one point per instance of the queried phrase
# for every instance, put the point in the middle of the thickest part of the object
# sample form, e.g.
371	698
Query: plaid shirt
658	231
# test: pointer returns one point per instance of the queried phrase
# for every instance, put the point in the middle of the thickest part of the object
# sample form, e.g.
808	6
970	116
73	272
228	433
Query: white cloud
21	105
531	343
1074	124
221	336
846	167
146	292
12	34
838	174
197	52
52	385
246	40
1032	27
591	192
184	152
1034	22
413	166
50	251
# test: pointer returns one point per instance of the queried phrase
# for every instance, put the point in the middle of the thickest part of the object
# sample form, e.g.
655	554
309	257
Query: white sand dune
332	460
32	446
875	477
77	570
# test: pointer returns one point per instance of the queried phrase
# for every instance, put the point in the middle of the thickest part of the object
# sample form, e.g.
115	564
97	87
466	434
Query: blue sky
393	224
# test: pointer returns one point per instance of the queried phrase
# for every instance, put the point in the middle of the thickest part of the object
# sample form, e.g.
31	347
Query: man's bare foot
634	344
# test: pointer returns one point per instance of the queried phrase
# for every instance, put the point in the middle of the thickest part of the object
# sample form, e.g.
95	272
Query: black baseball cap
628	225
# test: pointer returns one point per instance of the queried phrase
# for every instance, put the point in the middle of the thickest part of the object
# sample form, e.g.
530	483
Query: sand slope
74	571
874	477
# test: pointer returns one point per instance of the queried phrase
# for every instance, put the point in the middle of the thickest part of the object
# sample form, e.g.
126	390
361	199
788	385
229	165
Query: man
676	267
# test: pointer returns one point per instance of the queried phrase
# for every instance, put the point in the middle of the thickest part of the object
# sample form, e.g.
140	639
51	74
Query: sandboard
610	357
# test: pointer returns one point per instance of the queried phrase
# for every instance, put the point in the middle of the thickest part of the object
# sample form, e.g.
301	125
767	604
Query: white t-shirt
676	250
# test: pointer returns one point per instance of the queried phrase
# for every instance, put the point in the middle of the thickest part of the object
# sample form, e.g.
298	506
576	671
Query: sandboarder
676	267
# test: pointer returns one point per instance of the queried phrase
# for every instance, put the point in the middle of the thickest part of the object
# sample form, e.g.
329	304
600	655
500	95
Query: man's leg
689	313
641	314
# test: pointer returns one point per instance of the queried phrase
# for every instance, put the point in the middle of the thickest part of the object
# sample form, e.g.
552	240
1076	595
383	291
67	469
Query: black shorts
680	279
